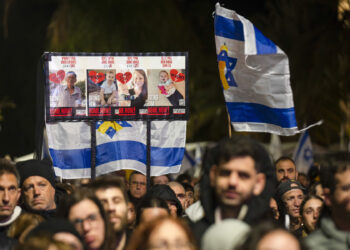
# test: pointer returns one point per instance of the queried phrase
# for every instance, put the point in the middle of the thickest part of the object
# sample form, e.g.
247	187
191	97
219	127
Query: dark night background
314	34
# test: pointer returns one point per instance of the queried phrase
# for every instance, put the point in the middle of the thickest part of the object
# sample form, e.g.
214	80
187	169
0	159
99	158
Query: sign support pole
148	159
93	149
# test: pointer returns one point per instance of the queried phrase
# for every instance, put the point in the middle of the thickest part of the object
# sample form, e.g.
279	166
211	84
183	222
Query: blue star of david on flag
226	64
110	128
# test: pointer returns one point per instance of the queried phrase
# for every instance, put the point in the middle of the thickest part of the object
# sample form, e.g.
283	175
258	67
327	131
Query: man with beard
237	182
285	169
111	191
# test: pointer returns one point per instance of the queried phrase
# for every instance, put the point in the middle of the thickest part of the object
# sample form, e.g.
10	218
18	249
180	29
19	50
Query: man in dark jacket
238	180
38	187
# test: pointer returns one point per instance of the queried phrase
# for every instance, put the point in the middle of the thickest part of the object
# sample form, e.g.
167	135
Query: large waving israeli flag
255	76
120	145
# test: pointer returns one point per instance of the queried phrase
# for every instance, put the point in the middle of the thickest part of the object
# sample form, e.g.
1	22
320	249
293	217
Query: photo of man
69	95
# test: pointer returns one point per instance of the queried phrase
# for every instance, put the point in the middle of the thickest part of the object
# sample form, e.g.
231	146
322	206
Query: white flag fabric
303	155
275	147
119	145
254	73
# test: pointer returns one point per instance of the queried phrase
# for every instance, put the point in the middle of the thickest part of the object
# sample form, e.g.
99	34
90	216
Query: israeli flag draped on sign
120	145
254	73
303	155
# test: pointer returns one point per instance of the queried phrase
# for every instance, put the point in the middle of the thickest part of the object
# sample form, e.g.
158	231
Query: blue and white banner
255	76
120	145
303	156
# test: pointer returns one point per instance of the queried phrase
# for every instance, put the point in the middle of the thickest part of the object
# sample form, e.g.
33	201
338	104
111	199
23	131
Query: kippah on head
288	185
42	168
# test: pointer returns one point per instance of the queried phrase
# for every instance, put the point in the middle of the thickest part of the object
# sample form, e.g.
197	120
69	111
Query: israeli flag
254	73
120	145
303	155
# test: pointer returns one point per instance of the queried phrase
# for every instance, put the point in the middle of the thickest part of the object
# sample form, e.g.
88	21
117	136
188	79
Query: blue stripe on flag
257	113
71	158
263	44
189	158
229	28
114	151
166	157
120	150
301	144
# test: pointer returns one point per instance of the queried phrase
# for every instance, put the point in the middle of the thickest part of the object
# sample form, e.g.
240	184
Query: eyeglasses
92	218
167	245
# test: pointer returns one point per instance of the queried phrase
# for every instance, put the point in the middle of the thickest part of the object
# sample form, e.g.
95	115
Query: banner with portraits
116	86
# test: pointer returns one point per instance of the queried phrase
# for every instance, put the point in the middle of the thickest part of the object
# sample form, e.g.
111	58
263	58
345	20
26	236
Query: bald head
278	240
179	191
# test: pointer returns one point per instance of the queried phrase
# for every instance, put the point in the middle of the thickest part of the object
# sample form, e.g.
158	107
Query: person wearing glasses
86	213
179	190
137	187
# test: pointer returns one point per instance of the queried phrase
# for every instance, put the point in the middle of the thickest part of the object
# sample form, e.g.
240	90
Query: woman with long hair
310	210
140	87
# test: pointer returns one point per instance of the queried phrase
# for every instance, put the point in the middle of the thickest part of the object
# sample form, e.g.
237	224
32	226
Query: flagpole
148	159
93	149
229	125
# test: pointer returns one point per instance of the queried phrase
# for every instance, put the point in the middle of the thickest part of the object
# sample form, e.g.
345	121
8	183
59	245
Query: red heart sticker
100	77
57	77
60	75
176	76
96	77
123	77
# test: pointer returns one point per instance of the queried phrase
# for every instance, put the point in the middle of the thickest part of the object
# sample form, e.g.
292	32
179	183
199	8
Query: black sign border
137	117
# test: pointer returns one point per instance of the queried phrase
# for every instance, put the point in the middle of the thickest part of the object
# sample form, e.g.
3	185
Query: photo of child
108	92
167	88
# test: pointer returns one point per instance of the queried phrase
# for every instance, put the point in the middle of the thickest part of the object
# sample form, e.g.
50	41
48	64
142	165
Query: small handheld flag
303	155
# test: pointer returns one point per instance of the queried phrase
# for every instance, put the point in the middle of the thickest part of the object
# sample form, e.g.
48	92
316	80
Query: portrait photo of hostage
101	87
64	89
132	88
108	92
167	88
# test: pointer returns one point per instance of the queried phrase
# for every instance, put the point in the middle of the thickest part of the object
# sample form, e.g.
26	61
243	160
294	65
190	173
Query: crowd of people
242	201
